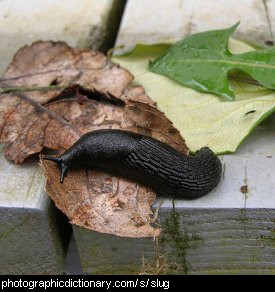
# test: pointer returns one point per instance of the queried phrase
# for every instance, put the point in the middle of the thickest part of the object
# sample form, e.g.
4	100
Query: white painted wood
251	165
85	23
31	239
148	22
225	232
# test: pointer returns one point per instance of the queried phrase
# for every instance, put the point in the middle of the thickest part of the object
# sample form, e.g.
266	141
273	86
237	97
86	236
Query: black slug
145	160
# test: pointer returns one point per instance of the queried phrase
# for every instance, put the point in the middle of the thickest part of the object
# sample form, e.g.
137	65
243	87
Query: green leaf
203	119
203	61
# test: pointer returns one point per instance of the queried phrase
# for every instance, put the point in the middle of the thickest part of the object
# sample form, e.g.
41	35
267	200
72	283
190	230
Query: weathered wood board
32	238
87	24
32	233
225	232
177	18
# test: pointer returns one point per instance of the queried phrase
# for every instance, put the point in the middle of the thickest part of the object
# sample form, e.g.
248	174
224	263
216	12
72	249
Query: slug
144	160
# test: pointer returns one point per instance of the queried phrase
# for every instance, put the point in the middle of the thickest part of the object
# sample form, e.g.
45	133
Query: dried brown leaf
100	201
47	63
103	99
148	119
43	64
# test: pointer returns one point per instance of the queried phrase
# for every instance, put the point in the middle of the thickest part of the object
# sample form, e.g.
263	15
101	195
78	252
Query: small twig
51	114
61	101
24	89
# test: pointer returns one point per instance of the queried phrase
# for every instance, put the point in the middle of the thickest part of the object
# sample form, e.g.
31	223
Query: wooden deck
33	234
225	232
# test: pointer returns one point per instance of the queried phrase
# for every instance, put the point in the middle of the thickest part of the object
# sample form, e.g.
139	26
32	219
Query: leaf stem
51	114
24	89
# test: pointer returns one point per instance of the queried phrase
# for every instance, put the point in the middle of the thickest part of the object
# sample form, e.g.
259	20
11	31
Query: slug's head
61	164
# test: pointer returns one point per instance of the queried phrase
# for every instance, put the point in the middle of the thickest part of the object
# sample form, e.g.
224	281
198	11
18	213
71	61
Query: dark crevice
80	94
113	25
98	96
271	41
54	82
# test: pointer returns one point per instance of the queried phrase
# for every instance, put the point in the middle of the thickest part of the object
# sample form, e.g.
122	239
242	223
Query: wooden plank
90	23
30	233
202	244
31	240
176	19
225	232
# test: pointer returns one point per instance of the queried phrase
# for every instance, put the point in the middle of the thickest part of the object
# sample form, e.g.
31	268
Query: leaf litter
88	92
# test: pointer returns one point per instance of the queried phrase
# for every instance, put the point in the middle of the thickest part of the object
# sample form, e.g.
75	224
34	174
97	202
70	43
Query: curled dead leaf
99	201
55	63
100	97
43	64
102	203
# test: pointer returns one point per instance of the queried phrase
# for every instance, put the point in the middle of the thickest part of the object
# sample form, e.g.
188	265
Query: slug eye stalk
62	166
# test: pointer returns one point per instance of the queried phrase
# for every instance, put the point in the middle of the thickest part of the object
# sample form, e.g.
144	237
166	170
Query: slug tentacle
145	160
62	166
57	160
64	170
